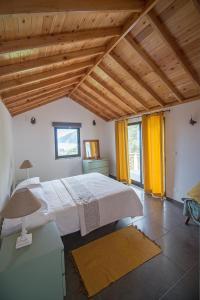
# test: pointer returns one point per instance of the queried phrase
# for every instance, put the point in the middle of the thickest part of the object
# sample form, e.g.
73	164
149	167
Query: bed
83	202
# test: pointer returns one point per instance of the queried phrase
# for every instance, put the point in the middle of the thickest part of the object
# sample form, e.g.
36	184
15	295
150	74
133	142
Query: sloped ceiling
116	58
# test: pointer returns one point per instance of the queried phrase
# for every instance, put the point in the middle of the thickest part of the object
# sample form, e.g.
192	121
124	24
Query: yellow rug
105	260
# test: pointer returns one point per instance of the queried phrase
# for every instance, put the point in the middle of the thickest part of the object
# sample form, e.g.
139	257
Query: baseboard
112	176
175	202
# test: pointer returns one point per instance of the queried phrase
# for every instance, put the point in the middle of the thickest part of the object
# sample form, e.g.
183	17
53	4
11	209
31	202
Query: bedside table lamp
26	165
21	204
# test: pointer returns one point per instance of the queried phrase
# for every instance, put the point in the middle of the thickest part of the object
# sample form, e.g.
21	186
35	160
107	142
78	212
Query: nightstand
35	272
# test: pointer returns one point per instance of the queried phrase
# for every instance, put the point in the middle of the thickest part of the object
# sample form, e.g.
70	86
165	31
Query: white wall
182	149
36	142
6	154
111	149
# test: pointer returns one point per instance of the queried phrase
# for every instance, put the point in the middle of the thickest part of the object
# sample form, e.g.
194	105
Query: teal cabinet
96	165
35	272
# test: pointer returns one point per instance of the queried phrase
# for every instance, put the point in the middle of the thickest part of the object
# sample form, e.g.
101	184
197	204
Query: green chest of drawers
35	272
96	165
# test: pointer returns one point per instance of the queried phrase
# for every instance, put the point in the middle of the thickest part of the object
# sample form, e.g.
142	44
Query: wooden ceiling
116	58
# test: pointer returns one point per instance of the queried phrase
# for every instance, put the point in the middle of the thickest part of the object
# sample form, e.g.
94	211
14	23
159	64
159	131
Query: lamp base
24	241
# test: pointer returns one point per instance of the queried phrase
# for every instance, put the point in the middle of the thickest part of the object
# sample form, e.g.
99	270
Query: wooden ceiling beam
39	95
129	25
124	87
148	60
89	107
9	70
36	88
196	5
172	45
121	101
57	39
52	6
113	104
137	78
103	104
37	103
44	76
92	101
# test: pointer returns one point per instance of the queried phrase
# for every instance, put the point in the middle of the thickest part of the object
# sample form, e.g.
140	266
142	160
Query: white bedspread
115	200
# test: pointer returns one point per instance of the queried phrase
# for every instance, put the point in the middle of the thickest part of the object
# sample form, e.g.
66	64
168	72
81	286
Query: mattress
115	200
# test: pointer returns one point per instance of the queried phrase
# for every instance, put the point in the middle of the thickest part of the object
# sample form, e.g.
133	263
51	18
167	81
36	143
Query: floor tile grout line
175	284
176	265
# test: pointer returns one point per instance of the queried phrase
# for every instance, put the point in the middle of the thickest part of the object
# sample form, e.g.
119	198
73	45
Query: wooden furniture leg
187	220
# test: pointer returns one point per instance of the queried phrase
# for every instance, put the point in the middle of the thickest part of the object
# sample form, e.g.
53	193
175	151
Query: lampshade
26	165
21	204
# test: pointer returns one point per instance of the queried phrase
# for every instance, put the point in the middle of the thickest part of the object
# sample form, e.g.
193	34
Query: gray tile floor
172	275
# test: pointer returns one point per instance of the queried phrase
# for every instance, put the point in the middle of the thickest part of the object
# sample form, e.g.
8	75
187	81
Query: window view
67	142
135	155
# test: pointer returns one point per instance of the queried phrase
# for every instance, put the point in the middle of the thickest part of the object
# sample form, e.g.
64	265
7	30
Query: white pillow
27	182
40	195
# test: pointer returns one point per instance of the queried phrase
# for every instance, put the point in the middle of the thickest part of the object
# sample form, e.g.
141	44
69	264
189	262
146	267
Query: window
67	140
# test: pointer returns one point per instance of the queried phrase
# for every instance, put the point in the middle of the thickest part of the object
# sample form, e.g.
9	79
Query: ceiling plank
171	104
123	86
153	66
129	25
104	105
56	39
94	103
44	76
171	43
137	78
38	95
196	5
40	103
52	6
121	101
37	103
113	104
88	106
27	91
6	71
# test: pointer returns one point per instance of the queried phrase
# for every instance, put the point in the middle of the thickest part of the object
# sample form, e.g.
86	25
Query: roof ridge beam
129	25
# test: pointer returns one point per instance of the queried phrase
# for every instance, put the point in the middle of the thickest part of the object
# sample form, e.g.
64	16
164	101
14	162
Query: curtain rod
142	114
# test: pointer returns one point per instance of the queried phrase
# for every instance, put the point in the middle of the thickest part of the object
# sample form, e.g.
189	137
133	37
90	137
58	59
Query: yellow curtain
153	154
122	155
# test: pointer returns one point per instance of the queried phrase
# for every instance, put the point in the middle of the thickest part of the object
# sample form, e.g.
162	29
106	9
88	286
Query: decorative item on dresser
96	165
41	267
91	149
